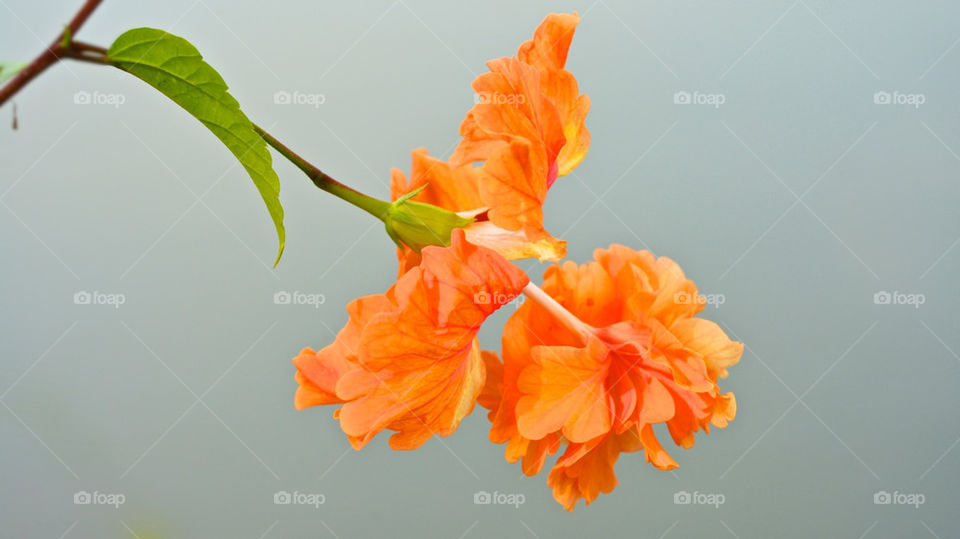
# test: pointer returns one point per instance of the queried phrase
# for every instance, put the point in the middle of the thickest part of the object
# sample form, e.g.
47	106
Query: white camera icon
282	298
282	498
282	97
82	298
882	497
882	298
82	498
482	498
82	98
482	298
882	98
681	98
682	498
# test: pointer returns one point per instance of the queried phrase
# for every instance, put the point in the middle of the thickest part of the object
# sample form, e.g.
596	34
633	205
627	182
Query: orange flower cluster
602	353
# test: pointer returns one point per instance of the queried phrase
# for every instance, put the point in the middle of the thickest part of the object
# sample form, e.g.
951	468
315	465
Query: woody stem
62	47
559	313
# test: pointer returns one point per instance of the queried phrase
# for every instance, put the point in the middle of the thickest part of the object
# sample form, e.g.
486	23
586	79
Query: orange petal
586	290
656	404
724	410
454	188
421	366
516	244
309	394
655	452
550	43
689	370
576	133
548	52
318	373
707	339
564	389
514	186
512	107
492	392
586	470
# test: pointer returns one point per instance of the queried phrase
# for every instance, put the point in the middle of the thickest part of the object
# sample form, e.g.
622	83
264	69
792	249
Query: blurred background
799	159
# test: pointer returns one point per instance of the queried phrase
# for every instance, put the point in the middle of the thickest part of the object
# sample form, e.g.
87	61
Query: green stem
375	207
64	46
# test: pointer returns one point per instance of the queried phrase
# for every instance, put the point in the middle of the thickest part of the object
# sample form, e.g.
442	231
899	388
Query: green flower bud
418	224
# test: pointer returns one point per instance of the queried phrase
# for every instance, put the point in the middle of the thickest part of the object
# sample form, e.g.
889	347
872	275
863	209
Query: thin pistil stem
561	314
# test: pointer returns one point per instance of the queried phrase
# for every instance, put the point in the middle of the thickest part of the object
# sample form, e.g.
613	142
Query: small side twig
85	56
88	47
60	48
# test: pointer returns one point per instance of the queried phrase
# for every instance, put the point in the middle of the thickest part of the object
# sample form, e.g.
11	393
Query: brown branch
52	54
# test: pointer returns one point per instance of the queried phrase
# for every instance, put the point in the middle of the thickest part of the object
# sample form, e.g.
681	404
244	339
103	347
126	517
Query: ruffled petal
409	360
564	390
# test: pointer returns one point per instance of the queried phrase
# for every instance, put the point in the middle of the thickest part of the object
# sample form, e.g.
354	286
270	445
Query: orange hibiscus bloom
634	356
409	360
527	127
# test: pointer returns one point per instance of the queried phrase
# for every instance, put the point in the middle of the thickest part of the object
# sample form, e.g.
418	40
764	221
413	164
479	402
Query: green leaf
8	70
174	66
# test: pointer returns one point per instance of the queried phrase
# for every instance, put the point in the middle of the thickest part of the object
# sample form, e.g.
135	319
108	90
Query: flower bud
418	224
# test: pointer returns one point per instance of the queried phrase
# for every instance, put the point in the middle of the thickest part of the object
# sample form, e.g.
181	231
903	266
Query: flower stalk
408	222
375	207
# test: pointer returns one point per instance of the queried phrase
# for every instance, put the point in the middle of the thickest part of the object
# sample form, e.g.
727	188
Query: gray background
798	199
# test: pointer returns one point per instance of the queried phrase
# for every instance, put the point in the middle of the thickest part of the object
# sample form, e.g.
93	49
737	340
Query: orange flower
639	357
409	360
527	128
